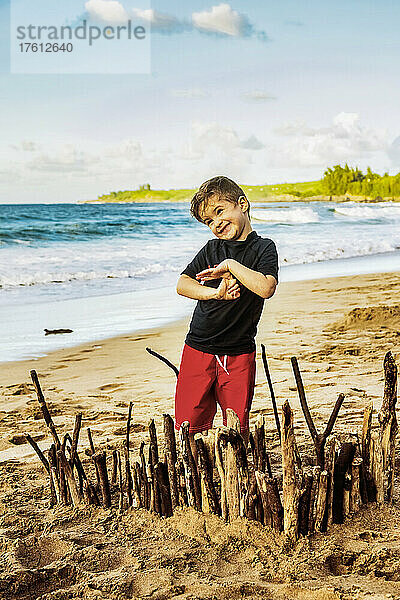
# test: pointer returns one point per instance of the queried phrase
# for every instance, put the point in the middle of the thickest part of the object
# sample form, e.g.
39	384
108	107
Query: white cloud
252	143
258	96
107	11
159	21
346	139
66	160
222	19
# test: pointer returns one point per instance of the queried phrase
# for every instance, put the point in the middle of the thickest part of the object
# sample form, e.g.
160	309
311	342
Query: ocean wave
291	215
378	211
13	279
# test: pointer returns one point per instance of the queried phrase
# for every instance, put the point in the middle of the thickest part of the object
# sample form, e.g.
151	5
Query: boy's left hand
221	270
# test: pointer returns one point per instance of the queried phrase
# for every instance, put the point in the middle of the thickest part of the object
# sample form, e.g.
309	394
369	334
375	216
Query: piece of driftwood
192	476
171	457
320	505
231	469
188	463
330	457
44	408
316	472
114	471
54	479
56	331
342	465
100	460
355	497
206	471
388	424
73	488
180	471
259	445
271	390
146	484
291	491
120	483
272	505
319	439
377	465
128	477
92	453
219	461
163	485
304	501
164	360
38	451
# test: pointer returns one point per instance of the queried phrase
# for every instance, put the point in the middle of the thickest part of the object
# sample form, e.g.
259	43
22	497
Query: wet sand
339	349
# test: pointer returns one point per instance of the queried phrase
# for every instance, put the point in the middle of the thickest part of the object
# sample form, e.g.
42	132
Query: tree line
338	181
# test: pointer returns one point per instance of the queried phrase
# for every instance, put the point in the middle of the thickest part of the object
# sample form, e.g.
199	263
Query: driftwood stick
165	496
271	390
164	360
221	471
153	442
271	500
206	471
330	457
120	483
259	445
355	498
319	439
38	451
188	463
73	489
313	498
146	485
320	506
100	460
180	471
170	455
388	424
342	466
291	491
93	451
231	470
75	435
114	467
45	411
128	477
192	464
128	424
377	466
304	501
55	483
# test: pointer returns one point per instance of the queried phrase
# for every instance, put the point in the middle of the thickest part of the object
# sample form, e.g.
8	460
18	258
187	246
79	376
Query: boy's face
228	221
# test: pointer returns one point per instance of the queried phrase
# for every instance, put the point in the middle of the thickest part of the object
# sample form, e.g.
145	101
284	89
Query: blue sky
262	92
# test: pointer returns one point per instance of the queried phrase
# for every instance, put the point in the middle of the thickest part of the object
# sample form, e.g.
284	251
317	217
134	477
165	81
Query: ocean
107	269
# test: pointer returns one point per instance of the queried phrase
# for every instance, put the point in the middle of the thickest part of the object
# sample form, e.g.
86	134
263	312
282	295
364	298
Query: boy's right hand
228	289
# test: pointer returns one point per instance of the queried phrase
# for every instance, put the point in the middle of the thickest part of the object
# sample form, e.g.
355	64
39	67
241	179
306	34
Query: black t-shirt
230	326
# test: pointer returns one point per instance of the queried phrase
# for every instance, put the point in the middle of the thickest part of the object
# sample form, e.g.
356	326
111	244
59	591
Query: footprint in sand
110	386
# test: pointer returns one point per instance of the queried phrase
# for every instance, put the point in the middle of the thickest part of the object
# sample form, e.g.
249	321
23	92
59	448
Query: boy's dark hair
222	187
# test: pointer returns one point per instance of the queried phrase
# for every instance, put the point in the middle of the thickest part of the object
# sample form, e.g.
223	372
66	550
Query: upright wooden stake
192	476
271	390
206	471
355	498
291	491
221	471
319	439
100	460
231	471
45	411
321	501
170	454
388	424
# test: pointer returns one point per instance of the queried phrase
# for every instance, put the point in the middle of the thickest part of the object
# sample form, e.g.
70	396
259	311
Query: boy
230	277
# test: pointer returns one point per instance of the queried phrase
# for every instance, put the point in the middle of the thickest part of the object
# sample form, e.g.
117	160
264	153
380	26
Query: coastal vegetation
339	182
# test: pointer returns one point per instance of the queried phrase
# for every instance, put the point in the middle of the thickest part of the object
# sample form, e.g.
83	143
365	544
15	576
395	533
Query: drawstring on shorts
223	366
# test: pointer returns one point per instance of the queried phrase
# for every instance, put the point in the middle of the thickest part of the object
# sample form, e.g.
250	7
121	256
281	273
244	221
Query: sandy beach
70	553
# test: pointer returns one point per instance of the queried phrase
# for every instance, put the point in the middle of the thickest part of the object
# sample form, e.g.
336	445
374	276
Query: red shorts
207	379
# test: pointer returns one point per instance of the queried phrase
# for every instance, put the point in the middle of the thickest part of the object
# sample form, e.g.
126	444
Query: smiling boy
231	276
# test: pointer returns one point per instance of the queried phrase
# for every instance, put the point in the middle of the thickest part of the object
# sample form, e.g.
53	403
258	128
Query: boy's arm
228	289
262	285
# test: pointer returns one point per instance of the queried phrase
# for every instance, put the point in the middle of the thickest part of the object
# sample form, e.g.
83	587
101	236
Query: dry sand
339	329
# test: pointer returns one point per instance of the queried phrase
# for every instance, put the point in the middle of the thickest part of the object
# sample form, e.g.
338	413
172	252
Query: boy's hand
221	270
228	289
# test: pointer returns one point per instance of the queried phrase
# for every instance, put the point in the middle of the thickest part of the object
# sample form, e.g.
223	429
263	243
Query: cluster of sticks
229	481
